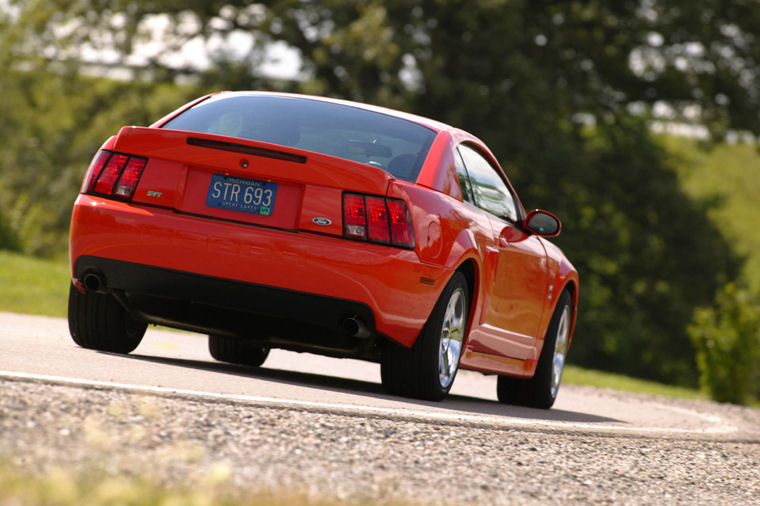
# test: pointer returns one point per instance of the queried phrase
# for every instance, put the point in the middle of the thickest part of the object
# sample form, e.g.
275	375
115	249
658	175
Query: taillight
114	174
377	219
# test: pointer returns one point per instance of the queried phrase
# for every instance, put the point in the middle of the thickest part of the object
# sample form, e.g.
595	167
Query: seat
402	166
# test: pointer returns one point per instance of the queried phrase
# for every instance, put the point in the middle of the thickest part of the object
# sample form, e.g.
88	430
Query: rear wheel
427	369
541	390
97	321
236	351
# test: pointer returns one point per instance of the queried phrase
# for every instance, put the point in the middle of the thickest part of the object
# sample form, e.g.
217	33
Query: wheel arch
571	286
471	271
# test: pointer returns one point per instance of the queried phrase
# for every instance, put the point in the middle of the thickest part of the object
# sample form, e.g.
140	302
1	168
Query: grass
33	286
575	375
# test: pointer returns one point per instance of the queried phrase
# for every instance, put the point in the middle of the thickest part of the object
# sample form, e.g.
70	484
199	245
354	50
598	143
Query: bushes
727	342
9	238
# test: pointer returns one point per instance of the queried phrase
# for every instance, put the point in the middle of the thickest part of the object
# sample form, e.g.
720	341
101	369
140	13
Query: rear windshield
393	144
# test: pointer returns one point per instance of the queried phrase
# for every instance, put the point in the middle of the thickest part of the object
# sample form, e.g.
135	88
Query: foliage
726	178
53	122
9	239
727	339
560	90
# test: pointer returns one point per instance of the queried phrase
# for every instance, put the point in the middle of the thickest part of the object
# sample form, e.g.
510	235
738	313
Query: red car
271	220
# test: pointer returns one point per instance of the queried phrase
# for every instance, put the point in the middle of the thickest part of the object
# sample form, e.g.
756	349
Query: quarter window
489	189
464	179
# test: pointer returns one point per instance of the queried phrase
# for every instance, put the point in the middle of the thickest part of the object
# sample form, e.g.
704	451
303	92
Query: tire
427	369
541	390
236	351
98	322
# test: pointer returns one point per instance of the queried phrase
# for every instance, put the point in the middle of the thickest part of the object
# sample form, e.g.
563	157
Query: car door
518	289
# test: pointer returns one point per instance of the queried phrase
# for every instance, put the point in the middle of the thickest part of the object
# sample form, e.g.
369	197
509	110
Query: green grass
33	286
575	375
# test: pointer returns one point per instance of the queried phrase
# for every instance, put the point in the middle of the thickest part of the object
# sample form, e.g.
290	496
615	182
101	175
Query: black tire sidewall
431	337
98	321
236	351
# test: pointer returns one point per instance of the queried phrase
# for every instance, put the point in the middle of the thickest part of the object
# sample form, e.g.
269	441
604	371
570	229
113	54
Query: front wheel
541	390
97	321
427	369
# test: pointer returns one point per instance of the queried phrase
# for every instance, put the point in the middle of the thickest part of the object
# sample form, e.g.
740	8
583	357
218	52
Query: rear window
393	144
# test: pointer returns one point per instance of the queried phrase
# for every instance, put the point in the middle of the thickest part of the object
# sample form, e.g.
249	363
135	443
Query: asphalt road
177	364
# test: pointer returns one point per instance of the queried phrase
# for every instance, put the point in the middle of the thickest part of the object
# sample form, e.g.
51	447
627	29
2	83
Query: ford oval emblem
319	220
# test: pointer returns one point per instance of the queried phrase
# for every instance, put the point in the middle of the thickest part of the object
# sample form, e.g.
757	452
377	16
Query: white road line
718	425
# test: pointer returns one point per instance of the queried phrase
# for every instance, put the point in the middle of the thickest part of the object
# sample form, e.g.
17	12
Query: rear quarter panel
565	278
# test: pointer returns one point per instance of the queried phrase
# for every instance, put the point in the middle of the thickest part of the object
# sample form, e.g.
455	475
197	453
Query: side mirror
543	223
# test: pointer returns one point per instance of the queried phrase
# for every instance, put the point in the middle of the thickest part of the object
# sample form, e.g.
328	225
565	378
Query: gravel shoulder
185	442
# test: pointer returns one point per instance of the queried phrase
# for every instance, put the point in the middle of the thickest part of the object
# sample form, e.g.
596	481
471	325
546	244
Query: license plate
240	194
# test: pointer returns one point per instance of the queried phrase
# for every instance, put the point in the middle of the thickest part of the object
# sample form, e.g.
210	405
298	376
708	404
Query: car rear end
269	217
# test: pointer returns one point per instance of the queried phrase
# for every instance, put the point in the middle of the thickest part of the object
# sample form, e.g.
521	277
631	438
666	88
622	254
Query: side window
490	191
464	179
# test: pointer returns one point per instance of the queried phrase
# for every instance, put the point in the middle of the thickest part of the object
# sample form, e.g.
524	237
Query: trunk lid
247	181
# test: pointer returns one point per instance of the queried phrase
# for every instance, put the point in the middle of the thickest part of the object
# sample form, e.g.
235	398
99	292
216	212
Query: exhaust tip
355	327
93	282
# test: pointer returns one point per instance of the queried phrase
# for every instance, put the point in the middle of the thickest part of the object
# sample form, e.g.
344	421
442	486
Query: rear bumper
271	316
180	270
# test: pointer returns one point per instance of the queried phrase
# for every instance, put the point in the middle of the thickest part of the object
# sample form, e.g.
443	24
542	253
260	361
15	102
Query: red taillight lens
377	219
401	225
95	168
115	174
378	228
110	174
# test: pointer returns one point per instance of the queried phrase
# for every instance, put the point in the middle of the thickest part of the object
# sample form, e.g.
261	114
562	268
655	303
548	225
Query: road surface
170	363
